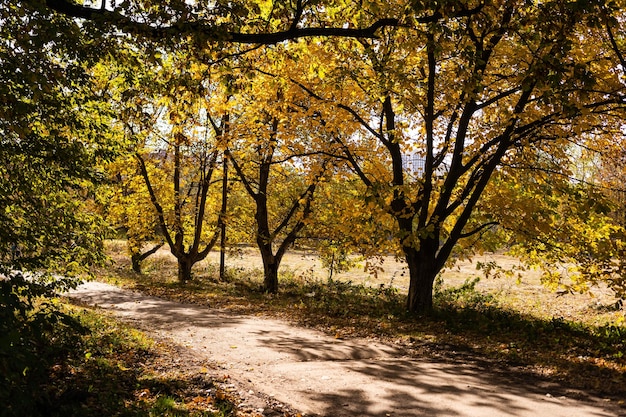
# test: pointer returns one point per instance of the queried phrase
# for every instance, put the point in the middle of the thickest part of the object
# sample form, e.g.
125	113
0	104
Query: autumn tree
53	133
177	150
465	85
277	157
123	199
486	82
129	210
50	116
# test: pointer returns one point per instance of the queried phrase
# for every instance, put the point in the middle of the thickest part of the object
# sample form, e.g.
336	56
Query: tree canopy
510	83
491	100
54	128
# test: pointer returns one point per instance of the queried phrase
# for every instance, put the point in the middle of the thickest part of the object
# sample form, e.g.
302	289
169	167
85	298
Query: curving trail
319	375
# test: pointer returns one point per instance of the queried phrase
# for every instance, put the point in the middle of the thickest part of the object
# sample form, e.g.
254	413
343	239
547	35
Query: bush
33	331
464	296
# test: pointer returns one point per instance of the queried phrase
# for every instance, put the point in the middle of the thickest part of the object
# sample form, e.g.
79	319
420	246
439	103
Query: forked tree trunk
137	258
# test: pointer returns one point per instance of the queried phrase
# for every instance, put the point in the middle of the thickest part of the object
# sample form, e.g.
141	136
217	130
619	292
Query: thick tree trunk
270	281
270	269
184	269
422	273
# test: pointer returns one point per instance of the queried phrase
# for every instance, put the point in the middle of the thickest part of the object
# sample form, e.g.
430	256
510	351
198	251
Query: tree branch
614	45
239	170
478	229
210	31
157	206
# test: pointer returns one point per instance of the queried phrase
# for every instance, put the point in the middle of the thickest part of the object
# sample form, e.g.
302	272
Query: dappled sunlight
316	371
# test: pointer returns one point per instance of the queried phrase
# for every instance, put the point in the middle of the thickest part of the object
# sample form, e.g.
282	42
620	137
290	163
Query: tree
128	209
53	132
463	84
466	94
277	158
173	224
174	108
185	149
123	199
48	140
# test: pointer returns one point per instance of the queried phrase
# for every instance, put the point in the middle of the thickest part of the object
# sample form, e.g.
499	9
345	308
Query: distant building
414	164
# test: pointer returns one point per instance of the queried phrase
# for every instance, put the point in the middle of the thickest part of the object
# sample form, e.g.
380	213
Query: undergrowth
107	369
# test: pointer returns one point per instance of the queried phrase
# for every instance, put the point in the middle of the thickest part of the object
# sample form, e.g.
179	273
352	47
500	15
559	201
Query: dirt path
319	375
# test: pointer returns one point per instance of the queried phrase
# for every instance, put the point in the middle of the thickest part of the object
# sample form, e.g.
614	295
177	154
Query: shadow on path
322	375
359	379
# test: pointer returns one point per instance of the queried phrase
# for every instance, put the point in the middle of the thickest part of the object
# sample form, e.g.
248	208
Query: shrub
33	331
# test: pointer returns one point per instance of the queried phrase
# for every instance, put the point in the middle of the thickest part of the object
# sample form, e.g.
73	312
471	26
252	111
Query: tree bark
184	269
270	269
423	270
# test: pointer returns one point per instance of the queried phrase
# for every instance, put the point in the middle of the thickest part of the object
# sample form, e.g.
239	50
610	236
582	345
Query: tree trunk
270	281
221	221
422	273
135	260
270	269
184	269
